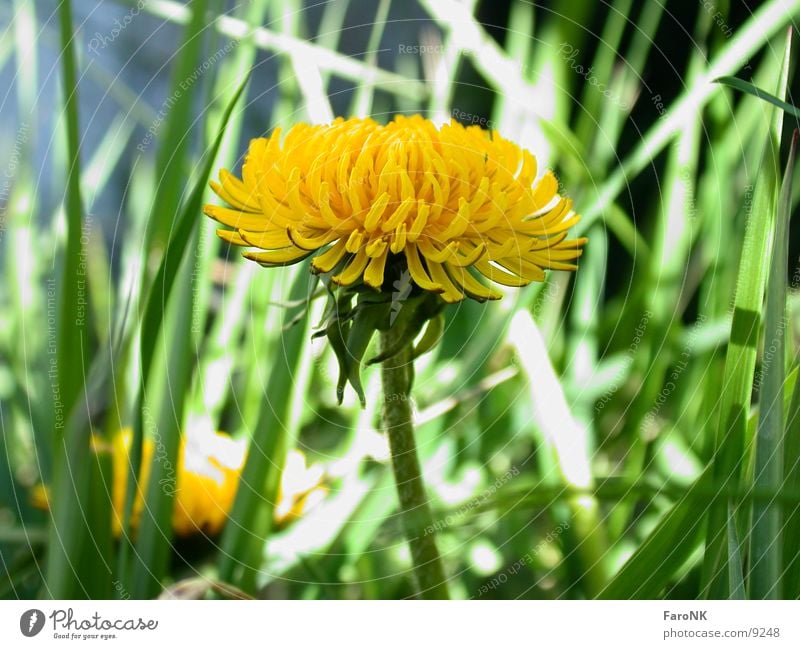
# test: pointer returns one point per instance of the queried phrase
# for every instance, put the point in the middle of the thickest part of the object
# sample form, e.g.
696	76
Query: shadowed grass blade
744	86
765	536
729	448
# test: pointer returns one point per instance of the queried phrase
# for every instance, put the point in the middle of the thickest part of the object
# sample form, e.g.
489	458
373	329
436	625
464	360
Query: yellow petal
354	241
236	218
438	255
270	239
282	257
231	236
353	270
238	191
373	217
376	248
327	261
499	275
399	239
418	272
451	291
314	240
419	222
373	275
469	258
399	215
526	269
471	286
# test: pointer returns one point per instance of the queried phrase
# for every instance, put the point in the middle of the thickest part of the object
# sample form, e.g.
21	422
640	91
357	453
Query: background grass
627	431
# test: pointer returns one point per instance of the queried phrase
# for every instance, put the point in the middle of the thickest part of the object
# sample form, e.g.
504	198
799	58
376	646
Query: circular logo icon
31	622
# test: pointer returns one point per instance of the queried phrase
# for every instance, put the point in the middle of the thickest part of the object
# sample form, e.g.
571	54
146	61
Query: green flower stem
398	373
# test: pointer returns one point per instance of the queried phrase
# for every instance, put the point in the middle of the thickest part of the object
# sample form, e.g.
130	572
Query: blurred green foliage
626	432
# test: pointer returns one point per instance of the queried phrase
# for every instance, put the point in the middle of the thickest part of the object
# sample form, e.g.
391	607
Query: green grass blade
765	537
274	434
74	331
365	92
174	259
744	86
163	418
602	67
186	223
735	573
791	523
729	446
646	573
70	443
171	159
762	25
569	440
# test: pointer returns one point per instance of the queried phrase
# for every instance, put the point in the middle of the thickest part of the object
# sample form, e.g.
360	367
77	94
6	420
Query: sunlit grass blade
602	67
362	100
765	536
753	34
569	444
76	503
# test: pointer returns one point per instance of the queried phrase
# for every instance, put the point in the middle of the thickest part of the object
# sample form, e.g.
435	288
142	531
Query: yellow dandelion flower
449	204
206	479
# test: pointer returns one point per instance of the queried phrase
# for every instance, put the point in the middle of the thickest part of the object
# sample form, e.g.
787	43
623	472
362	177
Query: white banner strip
387	625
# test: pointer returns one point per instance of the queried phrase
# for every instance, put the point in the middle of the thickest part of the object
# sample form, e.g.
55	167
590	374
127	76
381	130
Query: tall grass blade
274	434
749	88
729	446
765	536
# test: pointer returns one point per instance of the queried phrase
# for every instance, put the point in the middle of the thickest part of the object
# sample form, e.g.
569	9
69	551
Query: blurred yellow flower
437	201
209	468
